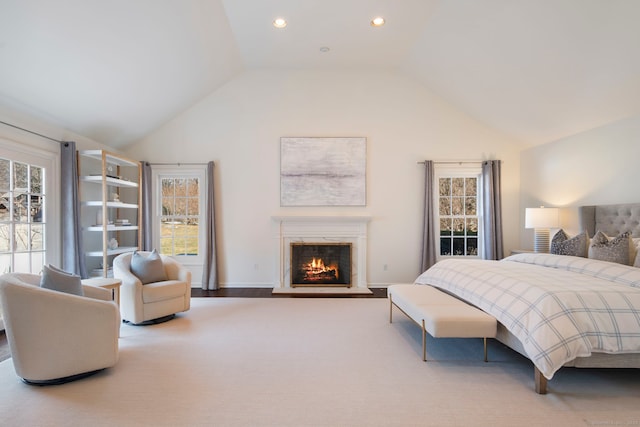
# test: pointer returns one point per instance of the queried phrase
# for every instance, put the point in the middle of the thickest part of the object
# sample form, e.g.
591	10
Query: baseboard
386	285
246	285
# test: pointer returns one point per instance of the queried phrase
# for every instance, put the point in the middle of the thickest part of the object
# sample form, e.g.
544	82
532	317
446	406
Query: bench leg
485	349
424	342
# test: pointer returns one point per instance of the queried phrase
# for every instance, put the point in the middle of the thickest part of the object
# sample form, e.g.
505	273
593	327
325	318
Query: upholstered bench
440	314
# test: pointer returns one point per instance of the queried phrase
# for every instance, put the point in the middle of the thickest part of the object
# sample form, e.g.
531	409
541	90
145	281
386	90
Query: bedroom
557	149
405	116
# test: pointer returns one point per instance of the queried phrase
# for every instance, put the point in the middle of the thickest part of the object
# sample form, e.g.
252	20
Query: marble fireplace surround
320	229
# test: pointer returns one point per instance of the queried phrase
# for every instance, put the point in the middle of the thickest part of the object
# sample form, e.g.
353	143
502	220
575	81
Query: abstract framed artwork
323	171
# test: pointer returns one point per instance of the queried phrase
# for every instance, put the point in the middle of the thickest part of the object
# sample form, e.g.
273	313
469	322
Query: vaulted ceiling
115	70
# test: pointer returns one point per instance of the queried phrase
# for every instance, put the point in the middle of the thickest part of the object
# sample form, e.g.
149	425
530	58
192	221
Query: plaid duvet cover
559	307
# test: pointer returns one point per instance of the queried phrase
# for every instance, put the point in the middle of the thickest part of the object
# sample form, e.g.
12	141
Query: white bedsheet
559	307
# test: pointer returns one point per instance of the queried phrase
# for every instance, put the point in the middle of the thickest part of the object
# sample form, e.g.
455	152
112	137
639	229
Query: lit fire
316	270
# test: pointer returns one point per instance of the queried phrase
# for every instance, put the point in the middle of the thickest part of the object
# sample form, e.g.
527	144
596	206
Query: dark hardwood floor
267	293
226	292
4	347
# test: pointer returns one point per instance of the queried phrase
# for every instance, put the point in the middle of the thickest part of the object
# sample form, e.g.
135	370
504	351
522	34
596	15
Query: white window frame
158	172
49	162
464	170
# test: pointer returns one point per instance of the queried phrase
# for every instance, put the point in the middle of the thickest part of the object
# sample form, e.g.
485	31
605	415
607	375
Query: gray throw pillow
59	280
578	245
148	269
612	250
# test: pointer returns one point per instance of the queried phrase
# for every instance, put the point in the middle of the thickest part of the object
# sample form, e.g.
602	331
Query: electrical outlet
385	267
256	267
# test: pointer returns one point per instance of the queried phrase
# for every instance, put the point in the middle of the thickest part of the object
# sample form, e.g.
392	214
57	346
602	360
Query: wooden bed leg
540	382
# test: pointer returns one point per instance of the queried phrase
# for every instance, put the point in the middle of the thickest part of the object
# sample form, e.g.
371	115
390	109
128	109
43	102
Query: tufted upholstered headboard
611	219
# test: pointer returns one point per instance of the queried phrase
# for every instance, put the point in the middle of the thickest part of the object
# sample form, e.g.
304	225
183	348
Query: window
28	237
179	226
459	219
22	220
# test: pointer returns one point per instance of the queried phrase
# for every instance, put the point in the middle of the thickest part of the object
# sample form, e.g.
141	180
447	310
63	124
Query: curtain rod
454	162
176	164
34	133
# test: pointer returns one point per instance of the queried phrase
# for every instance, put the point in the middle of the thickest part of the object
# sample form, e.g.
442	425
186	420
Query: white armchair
55	337
152	302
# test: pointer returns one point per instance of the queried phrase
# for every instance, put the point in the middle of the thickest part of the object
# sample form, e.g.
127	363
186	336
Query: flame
317	266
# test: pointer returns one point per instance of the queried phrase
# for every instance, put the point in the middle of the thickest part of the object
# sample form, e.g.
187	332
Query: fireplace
339	240
320	264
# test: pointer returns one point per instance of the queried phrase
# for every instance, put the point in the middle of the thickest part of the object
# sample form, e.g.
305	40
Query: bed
558	310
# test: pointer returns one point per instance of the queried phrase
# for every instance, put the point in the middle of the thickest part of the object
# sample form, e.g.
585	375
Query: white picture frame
323	171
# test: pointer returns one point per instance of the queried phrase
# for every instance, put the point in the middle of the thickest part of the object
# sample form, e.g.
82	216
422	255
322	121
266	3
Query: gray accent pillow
612	250
148	269
578	245
59	280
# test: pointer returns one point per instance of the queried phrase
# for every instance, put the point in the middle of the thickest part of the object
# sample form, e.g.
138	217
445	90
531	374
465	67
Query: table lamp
541	220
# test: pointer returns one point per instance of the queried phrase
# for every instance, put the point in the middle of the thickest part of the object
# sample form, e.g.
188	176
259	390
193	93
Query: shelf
111	158
116	251
117	205
110	182
112	227
114	182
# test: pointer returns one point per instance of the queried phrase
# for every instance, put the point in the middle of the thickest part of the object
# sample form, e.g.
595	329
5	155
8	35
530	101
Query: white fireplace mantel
320	229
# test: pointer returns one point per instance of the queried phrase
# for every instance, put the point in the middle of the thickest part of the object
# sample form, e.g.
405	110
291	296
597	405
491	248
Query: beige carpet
313	362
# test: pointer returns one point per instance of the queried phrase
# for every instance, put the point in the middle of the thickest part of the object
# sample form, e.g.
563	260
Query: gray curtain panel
492	210
429	233
145	208
72	254
210	271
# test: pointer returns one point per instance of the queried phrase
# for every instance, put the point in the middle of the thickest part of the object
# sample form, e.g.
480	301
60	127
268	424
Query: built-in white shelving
111	252
118	205
110	202
112	227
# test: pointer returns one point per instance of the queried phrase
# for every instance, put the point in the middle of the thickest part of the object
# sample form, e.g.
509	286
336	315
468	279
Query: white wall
27	119
239	127
594	167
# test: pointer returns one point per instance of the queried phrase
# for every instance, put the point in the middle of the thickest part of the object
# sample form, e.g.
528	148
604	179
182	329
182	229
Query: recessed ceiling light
279	22
378	21
324	49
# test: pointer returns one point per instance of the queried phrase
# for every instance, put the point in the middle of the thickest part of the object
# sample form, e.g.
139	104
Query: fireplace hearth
340	265
320	264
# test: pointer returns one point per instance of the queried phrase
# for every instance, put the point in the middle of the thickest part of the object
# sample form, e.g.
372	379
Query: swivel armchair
152	302
55	337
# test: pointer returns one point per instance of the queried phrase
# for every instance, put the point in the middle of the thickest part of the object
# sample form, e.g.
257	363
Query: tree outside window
22	223
179	221
458	213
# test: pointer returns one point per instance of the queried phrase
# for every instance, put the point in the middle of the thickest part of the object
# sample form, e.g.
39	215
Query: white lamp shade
541	218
